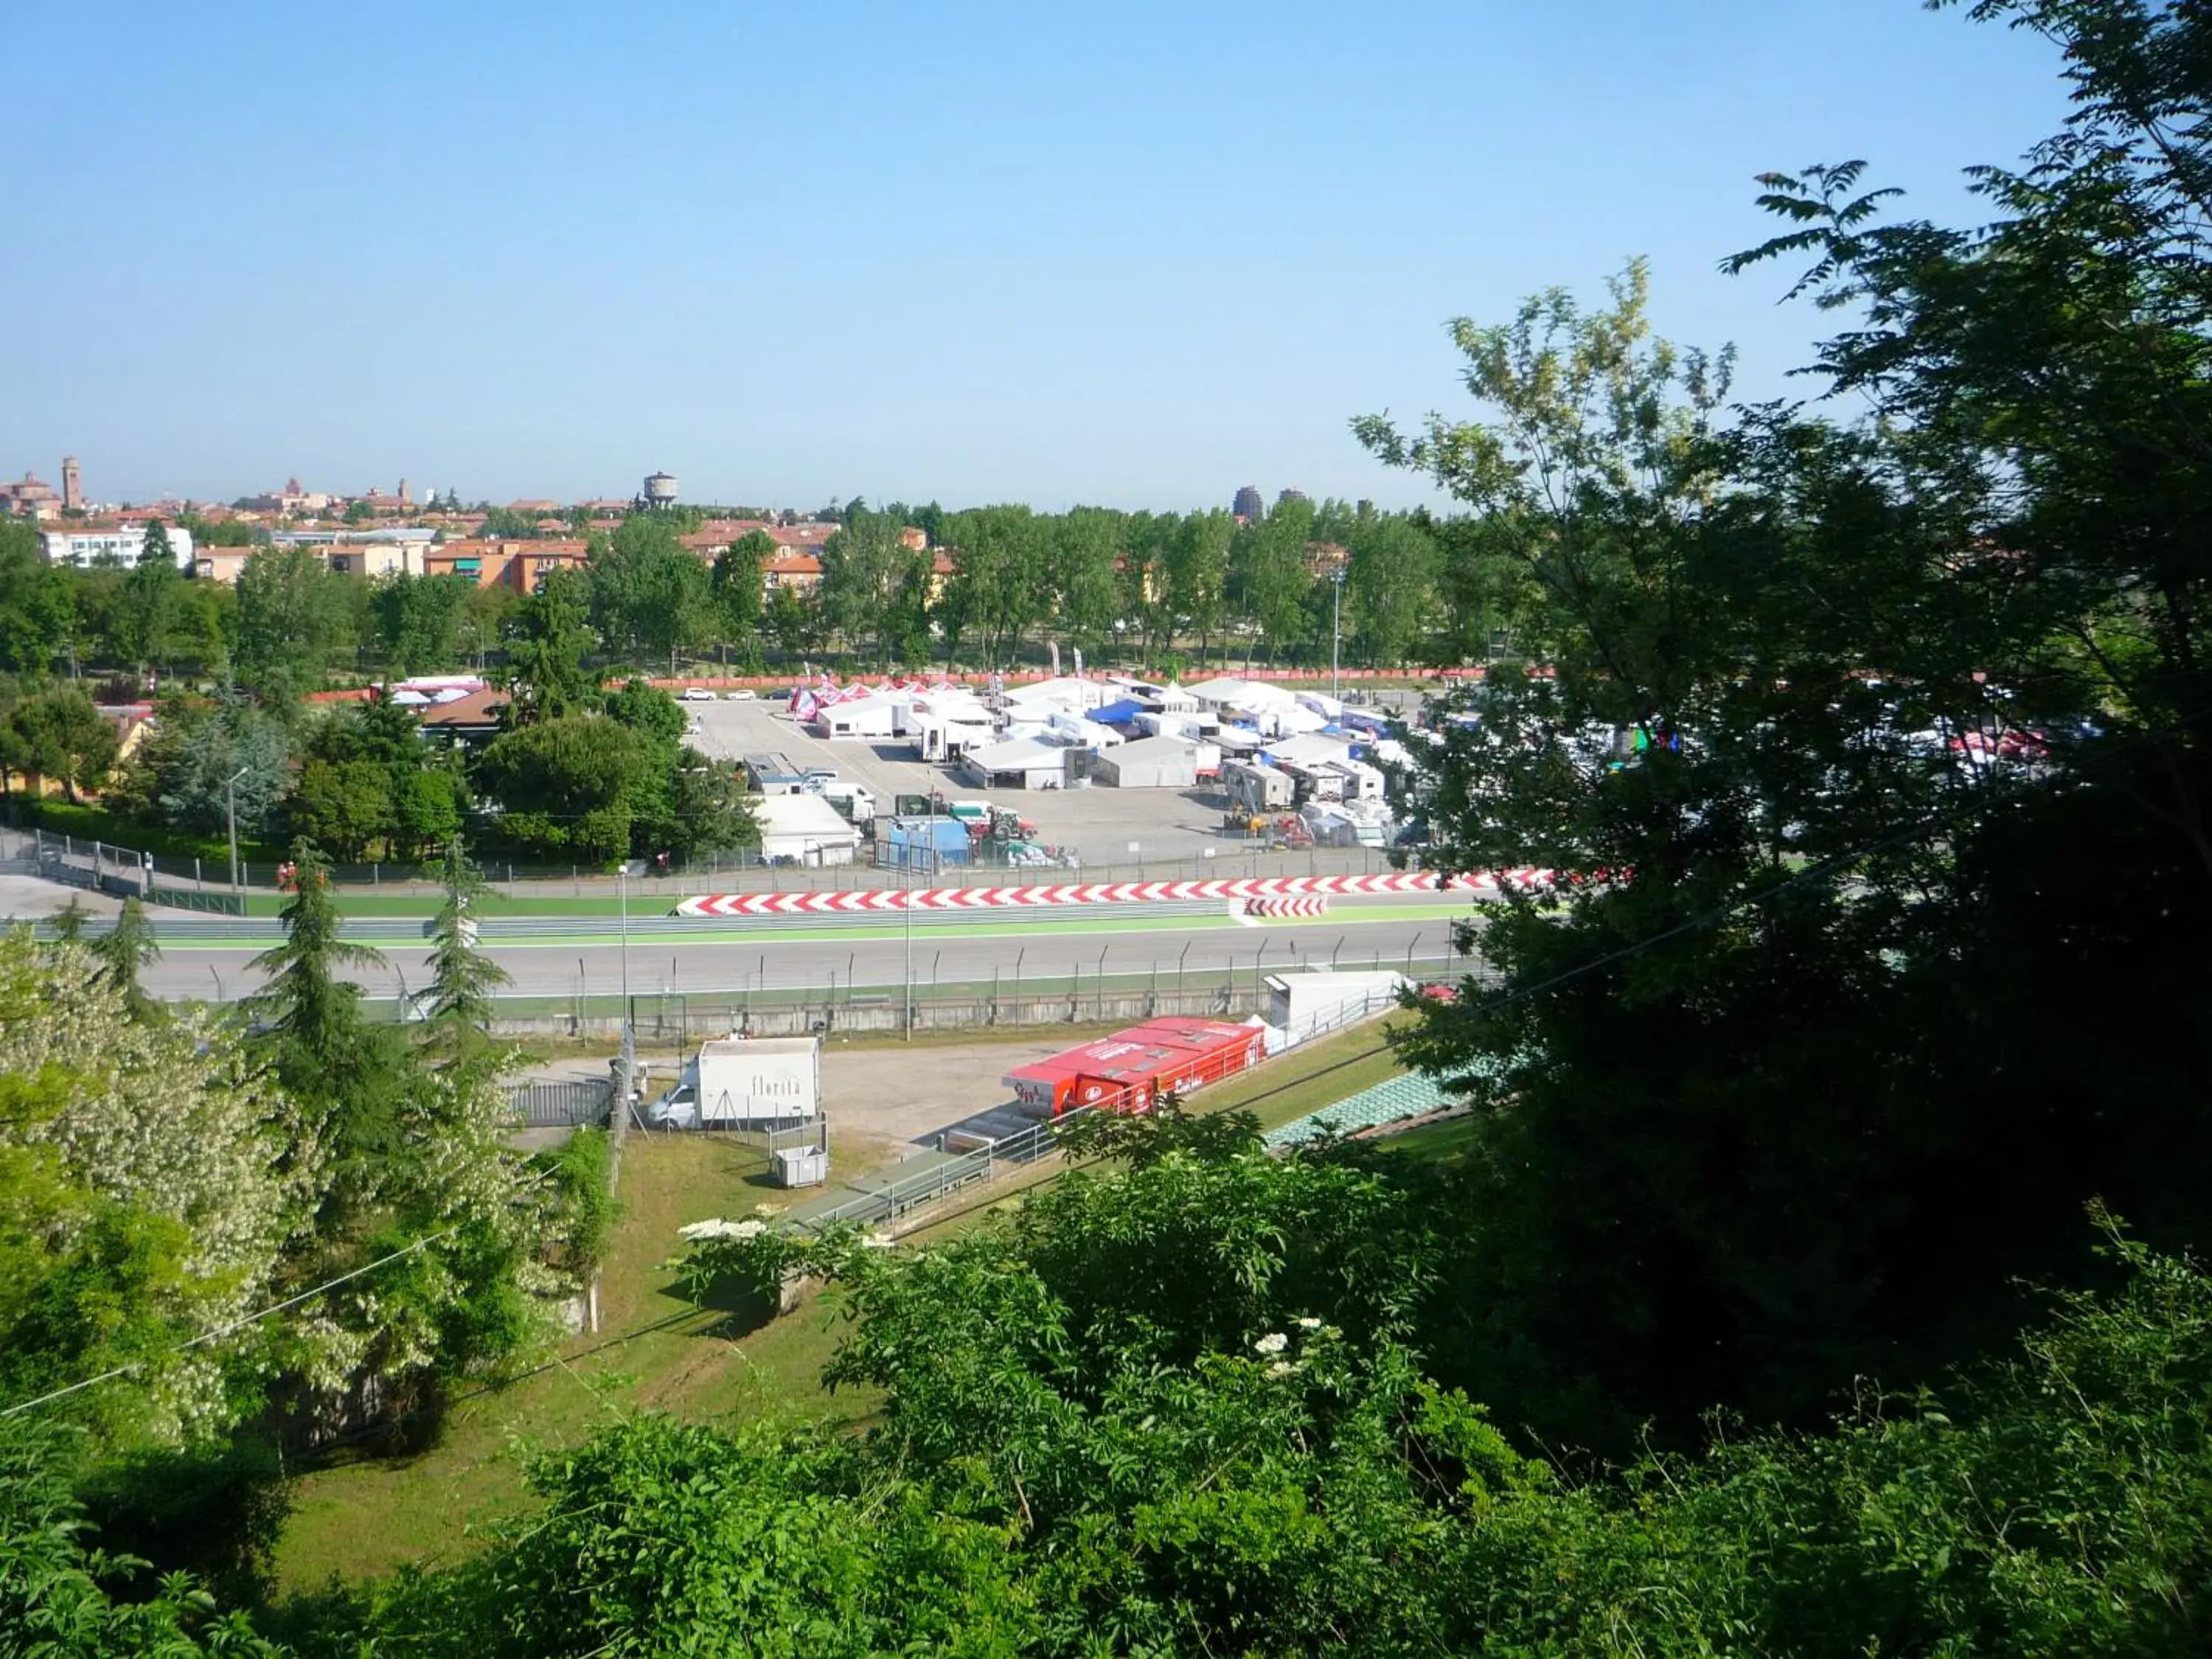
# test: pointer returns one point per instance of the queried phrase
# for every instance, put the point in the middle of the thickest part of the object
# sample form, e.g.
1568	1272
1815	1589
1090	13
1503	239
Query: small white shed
1023	763
805	828
1152	763
877	715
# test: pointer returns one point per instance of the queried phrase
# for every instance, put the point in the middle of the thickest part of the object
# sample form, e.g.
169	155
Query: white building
1308	749
1023	763
1152	764
1319	999
879	714
83	548
1062	693
403	552
805	828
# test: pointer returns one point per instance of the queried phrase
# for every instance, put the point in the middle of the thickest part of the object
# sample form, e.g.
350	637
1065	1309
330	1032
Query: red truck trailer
1130	1070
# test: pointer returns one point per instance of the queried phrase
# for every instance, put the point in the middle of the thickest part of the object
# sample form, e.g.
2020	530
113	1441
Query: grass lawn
1444	1141
363	1516
1309	1078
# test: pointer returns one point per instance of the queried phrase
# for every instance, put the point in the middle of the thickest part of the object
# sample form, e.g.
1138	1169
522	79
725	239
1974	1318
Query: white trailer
743	1082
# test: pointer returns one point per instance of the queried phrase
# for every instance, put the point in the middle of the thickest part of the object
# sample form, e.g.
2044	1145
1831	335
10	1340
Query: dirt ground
901	1093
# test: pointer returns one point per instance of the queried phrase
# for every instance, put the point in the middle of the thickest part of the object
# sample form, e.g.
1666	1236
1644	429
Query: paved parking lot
27	897
1171	829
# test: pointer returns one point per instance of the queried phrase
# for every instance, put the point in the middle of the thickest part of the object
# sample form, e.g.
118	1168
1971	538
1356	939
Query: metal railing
944	1174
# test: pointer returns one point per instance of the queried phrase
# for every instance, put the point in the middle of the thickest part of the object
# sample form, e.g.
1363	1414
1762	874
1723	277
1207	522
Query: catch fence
206	883
841	1008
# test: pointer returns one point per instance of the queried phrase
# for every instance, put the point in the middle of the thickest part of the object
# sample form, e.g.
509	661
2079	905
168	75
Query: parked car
740	696
698	694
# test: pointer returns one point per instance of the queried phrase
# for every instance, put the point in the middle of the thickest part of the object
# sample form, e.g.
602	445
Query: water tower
658	491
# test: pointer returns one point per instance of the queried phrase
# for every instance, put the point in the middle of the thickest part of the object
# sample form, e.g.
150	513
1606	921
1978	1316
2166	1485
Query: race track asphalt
1034	948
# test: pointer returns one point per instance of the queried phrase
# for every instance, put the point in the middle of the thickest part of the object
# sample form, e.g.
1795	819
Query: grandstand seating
1411	1096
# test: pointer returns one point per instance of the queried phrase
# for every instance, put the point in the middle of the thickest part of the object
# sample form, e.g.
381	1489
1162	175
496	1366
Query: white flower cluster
171	1119
698	1231
1274	1343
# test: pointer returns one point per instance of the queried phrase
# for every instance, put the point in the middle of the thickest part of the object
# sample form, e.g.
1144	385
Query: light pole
907	1021
1336	634
230	791
625	884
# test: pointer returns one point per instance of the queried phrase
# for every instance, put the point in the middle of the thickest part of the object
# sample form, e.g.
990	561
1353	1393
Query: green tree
482	623
650	594
867	572
566	784
739	596
463	978
795	619
37	602
999	566
344	805
291	615
59	735
1390	586
1270	577
1086	544
127	948
323	1049
648	710
708	809
678	801
229	532
546	641
1198	574
369	781
1740	1113
182	777
427	806
1142	597
124	1230
146	616
419	619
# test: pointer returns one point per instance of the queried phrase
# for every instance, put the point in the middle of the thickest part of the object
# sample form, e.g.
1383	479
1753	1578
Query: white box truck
749	1080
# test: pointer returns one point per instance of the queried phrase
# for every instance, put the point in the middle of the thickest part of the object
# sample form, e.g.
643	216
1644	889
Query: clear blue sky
1135	254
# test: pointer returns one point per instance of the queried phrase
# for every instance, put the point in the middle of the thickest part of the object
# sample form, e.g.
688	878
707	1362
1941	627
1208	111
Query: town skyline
30	494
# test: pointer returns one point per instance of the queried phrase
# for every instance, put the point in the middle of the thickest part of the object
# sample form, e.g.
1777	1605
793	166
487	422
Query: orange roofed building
800	572
520	566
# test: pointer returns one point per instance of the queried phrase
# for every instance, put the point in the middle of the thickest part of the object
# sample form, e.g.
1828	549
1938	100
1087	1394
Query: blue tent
1117	713
924	843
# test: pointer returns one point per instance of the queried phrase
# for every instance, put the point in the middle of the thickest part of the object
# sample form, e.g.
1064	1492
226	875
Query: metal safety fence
571	1104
